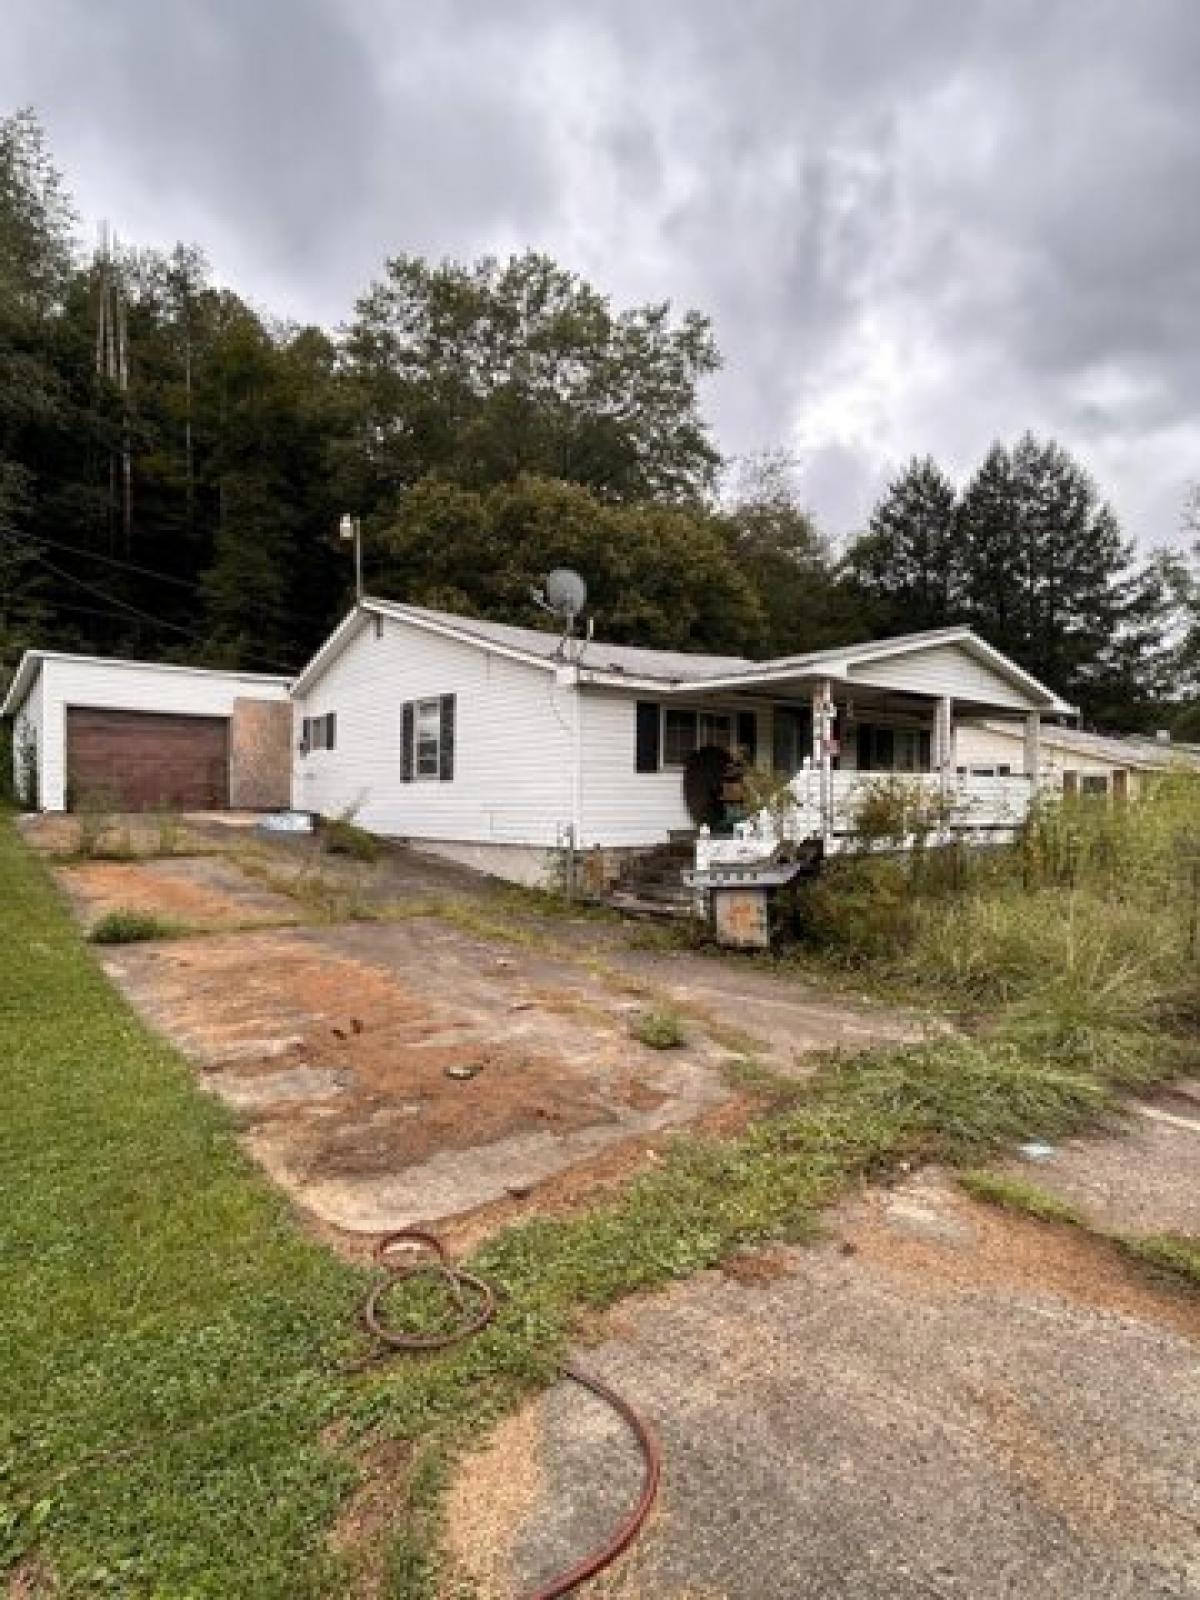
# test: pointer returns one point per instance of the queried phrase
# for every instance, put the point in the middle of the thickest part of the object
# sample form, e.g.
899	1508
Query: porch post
944	741
1033	749
822	760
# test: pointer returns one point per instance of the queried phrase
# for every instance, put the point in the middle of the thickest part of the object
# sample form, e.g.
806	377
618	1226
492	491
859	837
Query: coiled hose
411	1253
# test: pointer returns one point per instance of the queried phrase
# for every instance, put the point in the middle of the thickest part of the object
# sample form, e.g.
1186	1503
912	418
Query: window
679	737
427	738
684	732
319	733
893	749
791	739
1094	783
716	727
428	727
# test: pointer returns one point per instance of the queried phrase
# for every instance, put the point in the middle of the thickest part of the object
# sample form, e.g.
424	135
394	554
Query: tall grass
1077	943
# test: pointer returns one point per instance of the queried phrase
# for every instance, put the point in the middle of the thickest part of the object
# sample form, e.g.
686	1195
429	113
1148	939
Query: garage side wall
129	686
27	741
513	741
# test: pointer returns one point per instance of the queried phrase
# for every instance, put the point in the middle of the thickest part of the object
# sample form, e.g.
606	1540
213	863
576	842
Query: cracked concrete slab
985	1409
1143	1180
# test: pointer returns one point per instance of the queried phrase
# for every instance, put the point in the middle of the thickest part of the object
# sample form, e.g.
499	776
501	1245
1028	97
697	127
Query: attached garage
141	736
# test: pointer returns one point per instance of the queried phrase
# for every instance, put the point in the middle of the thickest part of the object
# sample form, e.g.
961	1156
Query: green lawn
164	1323
170	1339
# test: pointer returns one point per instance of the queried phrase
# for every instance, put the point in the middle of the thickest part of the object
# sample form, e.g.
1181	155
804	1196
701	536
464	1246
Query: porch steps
651	883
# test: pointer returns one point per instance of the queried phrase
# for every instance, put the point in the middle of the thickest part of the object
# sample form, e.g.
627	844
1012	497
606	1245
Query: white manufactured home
498	745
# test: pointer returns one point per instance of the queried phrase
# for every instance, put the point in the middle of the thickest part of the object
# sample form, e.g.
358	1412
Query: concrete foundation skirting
529	865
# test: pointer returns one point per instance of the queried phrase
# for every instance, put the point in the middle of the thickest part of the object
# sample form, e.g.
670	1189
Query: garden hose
412	1252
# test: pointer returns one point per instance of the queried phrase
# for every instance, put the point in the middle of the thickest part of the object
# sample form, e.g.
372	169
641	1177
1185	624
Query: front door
792	741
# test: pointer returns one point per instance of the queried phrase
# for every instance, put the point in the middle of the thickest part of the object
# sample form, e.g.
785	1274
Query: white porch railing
826	806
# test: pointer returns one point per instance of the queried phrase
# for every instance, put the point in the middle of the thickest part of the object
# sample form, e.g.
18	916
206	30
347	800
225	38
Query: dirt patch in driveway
383	1094
415	1069
201	891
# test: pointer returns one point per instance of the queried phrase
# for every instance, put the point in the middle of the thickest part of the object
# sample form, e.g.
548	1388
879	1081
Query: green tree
1049	579
275	582
657	575
35	404
479	374
908	566
788	562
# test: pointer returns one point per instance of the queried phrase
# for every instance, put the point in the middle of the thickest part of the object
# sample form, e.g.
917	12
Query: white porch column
1033	749
943	741
822	701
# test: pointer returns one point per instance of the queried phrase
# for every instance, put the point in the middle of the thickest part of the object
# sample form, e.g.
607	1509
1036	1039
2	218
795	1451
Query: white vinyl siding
128	686
946	669
621	806
513	741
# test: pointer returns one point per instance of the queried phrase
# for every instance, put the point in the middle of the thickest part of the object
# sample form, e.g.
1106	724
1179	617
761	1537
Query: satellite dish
566	593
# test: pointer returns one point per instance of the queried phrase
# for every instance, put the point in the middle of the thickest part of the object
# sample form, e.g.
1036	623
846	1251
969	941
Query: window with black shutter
647	744
747	736
330	730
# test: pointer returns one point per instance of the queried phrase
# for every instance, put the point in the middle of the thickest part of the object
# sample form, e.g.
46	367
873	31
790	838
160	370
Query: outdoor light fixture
351	528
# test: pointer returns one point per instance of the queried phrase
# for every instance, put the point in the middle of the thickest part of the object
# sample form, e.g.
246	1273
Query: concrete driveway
390	1064
940	1401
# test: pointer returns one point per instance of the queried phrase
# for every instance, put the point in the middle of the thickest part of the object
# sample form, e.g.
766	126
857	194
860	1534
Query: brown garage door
139	760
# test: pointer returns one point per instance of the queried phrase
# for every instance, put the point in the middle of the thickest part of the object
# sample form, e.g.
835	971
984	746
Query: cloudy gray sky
918	225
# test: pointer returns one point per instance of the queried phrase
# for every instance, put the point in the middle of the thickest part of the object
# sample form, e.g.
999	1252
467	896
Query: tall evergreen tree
908	565
1050	580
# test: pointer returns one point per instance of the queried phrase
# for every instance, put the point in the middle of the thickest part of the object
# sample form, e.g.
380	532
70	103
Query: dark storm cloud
917	224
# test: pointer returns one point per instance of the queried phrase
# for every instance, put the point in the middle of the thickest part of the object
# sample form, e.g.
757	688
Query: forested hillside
174	461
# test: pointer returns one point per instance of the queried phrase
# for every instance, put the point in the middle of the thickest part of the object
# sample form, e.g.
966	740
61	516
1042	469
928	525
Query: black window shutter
446	741
306	735
926	750
331	733
747	735
647	744
863	757
885	749
407	719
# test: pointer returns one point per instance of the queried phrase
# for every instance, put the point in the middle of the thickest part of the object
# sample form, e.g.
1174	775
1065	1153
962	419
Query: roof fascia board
34	661
22	684
464	636
328	652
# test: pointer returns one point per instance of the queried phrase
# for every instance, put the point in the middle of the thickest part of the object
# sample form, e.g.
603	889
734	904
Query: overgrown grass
1017	1194
342	838
171	1391
127	925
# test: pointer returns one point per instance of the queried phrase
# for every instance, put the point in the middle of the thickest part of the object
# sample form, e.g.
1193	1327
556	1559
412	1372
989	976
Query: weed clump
660	1030
342	838
128	926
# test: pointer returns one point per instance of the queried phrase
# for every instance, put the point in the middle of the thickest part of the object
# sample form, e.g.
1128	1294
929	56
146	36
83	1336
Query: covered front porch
890	710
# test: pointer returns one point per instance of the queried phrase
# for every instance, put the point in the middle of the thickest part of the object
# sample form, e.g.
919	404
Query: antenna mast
112	363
